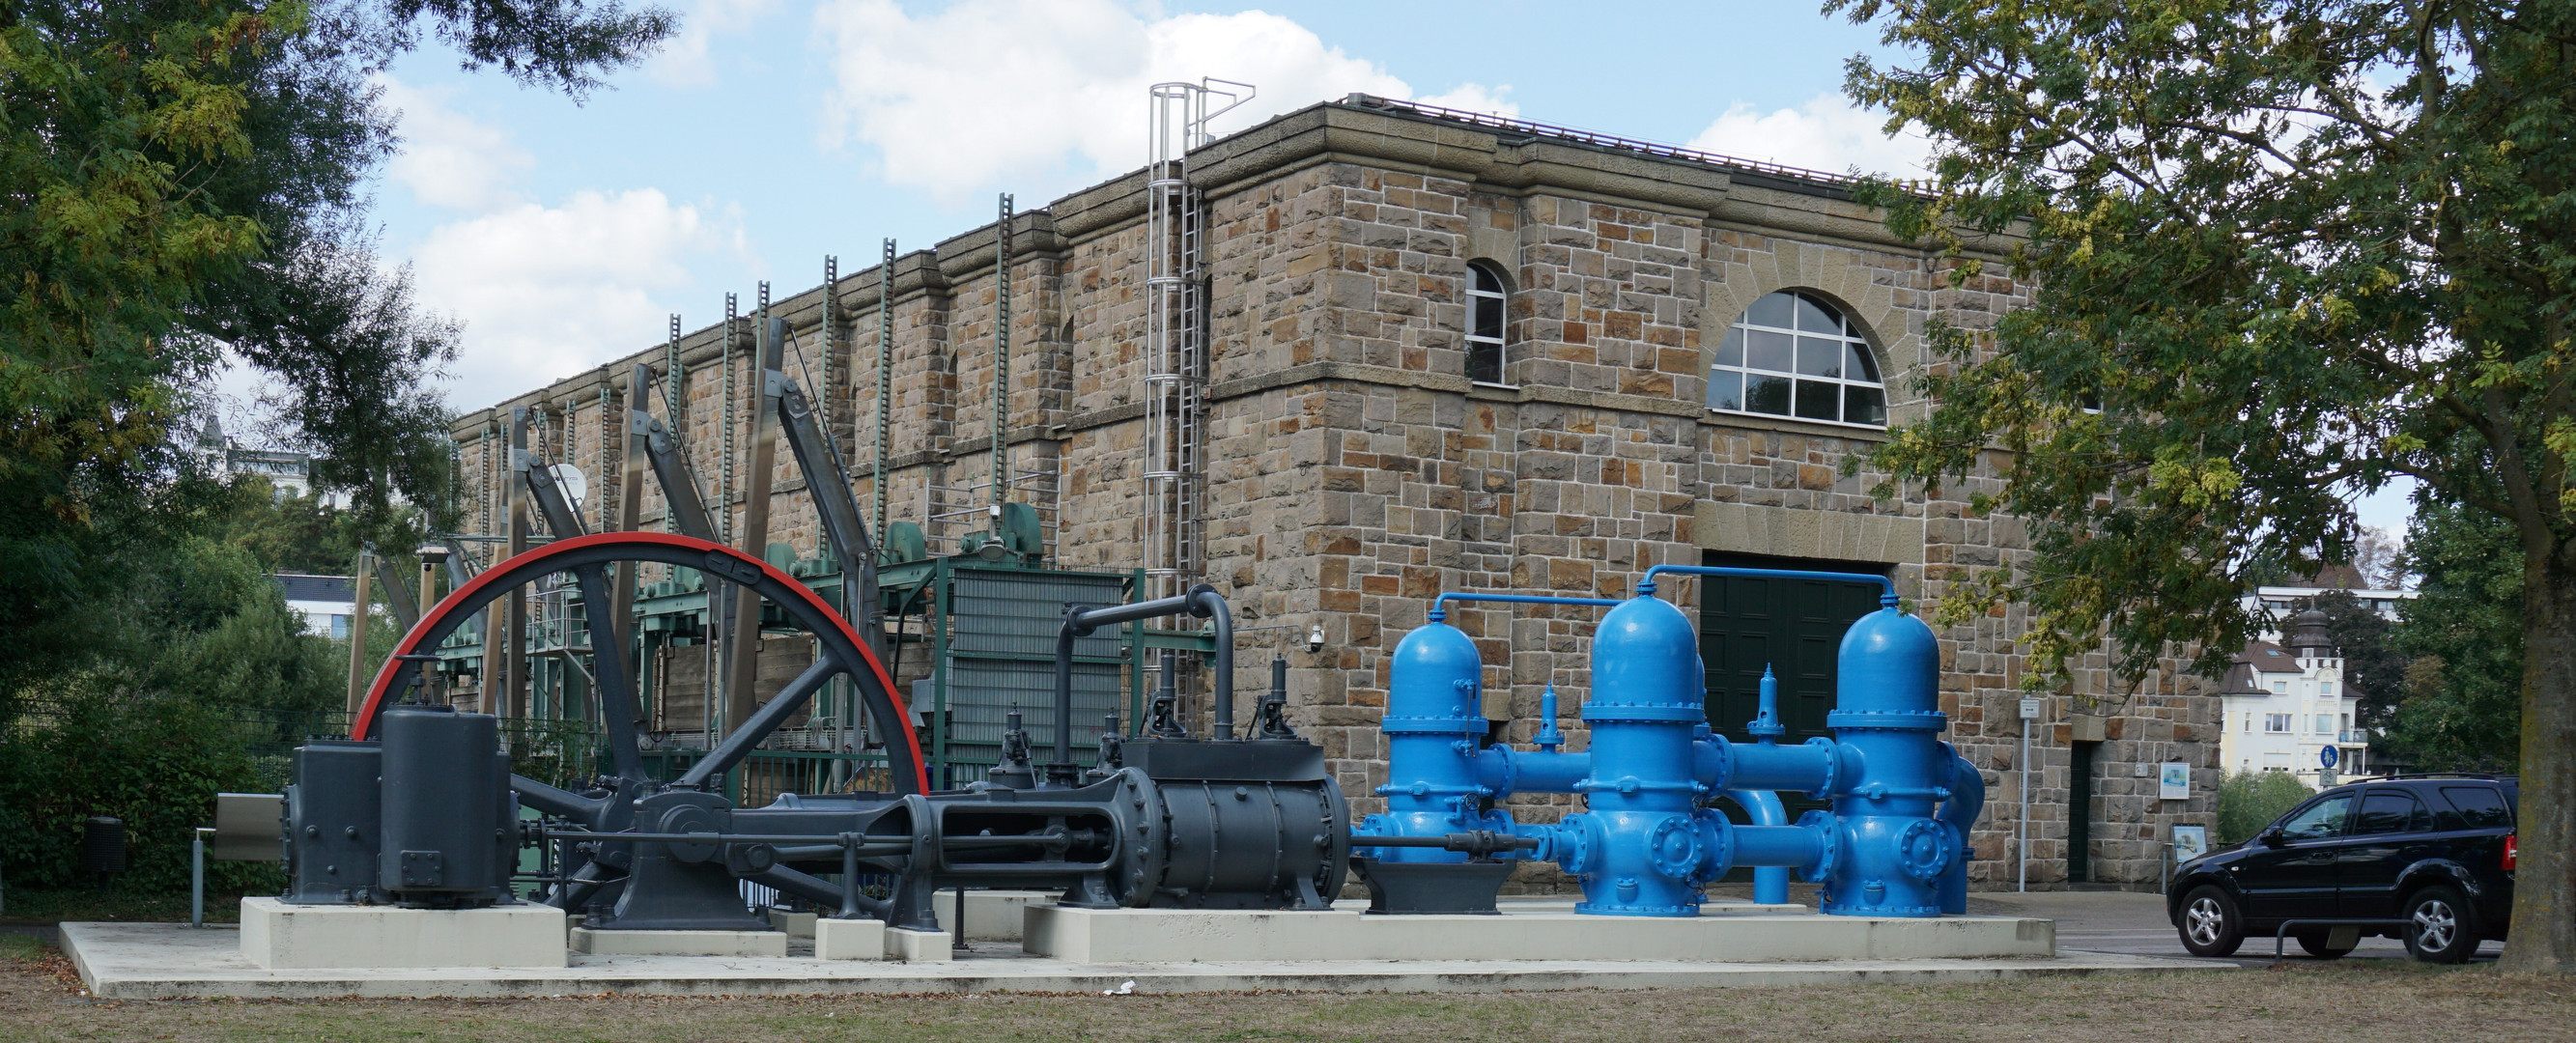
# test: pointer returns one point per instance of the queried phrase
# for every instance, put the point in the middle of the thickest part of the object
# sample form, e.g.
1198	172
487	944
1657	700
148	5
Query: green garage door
1795	626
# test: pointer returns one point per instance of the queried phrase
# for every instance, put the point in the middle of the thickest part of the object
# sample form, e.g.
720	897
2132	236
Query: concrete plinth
860	939
1181	935
276	935
170	961
912	946
797	925
679	943
991	916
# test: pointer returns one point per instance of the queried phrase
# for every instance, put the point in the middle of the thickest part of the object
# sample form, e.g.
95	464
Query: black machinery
417	807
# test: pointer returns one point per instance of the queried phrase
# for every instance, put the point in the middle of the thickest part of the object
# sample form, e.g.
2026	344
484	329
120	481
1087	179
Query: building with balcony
2282	707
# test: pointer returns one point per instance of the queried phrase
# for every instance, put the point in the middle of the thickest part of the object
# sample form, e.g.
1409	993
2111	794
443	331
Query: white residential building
325	602
2283	707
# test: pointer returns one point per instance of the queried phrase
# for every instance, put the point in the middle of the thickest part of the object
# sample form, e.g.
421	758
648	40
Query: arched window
1791	354
1486	298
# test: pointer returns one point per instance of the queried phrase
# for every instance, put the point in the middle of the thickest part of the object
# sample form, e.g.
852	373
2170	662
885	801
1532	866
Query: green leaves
2289	250
180	179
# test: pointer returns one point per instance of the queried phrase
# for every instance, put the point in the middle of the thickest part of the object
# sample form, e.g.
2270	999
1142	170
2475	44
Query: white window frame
2276	724
1501	301
1736	343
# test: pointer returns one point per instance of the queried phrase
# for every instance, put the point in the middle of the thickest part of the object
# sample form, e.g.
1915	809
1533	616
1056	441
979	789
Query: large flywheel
609	807
842	651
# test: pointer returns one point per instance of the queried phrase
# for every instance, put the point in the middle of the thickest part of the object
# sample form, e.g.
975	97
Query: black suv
2435	853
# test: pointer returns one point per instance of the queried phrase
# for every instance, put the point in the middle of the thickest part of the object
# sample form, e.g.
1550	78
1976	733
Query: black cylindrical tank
1251	845
445	825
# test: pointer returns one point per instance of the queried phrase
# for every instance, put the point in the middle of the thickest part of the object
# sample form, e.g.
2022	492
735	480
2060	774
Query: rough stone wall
1354	473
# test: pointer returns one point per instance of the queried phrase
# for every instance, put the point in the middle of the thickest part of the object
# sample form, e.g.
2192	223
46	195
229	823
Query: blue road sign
2328	756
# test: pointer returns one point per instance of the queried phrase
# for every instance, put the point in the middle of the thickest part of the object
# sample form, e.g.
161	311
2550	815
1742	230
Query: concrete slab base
797	925
860	939
1157	935
277	935
171	961
991	916
679	943
911	946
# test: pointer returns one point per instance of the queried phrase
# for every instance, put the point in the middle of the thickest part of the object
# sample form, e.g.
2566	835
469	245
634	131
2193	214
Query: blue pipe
1967	800
1507	771
1770	882
1886	597
1438	614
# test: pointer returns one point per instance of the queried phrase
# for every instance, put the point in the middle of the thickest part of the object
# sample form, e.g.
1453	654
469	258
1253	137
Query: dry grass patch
2363	1001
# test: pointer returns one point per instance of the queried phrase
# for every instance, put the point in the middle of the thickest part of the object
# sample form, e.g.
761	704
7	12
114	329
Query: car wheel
2210	924
2315	943
2440	928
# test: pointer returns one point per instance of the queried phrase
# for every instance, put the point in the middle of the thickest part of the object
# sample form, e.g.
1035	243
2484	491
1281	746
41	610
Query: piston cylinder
447	840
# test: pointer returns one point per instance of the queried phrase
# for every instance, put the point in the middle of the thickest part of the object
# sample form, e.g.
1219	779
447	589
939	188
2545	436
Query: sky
769	133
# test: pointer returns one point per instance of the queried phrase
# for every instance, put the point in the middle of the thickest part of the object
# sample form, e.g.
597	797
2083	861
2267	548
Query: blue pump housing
1648	839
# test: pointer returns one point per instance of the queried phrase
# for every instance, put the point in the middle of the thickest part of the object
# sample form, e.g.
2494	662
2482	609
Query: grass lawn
2352	1002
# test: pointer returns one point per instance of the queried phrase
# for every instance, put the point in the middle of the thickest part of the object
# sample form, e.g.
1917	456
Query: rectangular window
2280	687
2249	724
1486	302
339	628
2276	722
2482	807
2325	688
2325	724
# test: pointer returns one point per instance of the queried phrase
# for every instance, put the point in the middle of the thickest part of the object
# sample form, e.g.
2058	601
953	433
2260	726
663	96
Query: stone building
1635	316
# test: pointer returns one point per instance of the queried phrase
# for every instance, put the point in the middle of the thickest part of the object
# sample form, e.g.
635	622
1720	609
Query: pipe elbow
1712	761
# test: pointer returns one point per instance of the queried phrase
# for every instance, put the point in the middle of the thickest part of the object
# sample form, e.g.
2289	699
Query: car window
2317	821
2480	806
2389	811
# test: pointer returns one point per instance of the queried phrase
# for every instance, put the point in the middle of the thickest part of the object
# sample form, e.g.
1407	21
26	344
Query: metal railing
2283	931
1600	140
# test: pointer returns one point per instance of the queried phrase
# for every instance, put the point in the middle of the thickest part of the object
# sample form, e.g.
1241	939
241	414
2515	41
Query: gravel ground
2348	1001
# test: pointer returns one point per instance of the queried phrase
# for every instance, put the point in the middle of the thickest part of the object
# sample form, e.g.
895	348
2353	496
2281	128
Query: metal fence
555	752
765	774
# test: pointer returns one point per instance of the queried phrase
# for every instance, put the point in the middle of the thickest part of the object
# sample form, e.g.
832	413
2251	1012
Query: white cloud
1042	95
683	61
447	158
546	292
1475	97
1825	134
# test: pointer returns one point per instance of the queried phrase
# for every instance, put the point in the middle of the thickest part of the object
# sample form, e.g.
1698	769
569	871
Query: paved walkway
2134	923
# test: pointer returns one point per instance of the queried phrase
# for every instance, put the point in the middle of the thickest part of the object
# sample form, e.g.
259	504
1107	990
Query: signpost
2326	758
2030	711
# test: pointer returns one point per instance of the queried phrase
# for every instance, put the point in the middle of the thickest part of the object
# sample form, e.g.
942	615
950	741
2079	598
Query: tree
2283	252
2374	672
2247	801
2461	710
184	177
